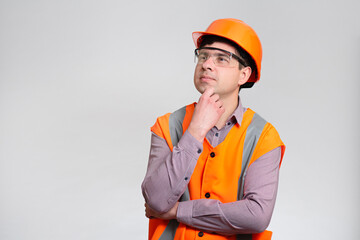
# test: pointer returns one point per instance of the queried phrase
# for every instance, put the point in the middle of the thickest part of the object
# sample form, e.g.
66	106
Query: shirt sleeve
168	172
252	214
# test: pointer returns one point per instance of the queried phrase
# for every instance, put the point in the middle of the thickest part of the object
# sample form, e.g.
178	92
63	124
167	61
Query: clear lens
221	58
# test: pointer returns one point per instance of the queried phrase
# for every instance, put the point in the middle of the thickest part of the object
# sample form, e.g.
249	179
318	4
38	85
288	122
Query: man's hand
171	214
207	113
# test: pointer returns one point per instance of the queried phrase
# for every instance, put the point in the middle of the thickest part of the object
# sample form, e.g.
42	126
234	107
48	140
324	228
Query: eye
202	56
222	59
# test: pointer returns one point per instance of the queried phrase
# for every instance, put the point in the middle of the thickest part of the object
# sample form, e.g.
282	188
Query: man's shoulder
184	108
172	125
179	112
254	120
255	116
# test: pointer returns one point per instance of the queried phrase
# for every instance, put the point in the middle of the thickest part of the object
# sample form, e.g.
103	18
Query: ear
245	74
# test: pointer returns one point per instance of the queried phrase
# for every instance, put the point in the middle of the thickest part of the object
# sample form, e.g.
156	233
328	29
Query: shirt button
216	134
199	150
186	178
207	195
200	234
212	154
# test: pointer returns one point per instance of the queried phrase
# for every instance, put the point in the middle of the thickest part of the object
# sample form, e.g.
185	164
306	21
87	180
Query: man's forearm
250	215
168	172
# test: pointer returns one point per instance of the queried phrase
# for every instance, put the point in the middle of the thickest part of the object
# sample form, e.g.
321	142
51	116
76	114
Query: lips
206	78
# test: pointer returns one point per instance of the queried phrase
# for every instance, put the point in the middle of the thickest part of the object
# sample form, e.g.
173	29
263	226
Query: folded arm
249	215
169	173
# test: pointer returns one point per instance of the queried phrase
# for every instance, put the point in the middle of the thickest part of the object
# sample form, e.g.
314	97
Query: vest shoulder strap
253	133
172	126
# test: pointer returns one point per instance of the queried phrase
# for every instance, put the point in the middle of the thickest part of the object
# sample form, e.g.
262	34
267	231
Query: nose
208	64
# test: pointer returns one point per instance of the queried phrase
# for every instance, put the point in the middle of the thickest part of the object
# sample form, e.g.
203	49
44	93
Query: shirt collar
237	115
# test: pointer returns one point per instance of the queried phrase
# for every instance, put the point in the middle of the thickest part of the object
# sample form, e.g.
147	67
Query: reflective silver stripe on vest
170	230
175	125
253	133
176	131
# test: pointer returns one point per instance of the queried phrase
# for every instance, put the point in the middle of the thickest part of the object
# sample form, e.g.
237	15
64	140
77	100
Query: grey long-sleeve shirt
164	184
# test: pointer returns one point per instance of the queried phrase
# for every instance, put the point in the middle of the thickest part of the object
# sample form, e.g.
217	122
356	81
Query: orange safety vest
219	171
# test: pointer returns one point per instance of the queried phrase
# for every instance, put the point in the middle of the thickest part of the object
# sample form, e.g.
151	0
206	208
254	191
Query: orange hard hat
240	33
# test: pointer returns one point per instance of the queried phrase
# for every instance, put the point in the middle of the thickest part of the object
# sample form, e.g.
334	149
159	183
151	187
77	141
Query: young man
214	165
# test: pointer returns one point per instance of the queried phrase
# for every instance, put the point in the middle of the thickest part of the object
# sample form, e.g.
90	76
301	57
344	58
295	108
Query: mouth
206	78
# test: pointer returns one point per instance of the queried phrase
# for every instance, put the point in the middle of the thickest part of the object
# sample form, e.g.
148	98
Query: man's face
225	80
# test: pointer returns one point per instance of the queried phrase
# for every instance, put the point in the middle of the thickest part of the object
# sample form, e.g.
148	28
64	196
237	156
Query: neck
230	104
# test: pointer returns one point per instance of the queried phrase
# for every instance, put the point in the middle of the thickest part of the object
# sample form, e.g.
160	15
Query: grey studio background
81	83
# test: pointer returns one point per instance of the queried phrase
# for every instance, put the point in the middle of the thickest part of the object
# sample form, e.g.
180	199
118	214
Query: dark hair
245	56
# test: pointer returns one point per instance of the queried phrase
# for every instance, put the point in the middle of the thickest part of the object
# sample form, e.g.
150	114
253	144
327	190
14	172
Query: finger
215	97
146	210
147	213
208	92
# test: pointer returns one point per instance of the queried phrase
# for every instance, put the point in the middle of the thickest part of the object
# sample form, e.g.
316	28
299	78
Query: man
214	165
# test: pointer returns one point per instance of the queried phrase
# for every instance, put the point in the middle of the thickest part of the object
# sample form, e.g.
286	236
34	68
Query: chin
200	90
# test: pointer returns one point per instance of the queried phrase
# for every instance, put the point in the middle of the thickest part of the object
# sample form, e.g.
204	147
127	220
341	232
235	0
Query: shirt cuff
184	212
191	145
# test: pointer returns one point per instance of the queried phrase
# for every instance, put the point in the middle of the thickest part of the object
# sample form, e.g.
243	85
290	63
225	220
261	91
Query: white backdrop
81	82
